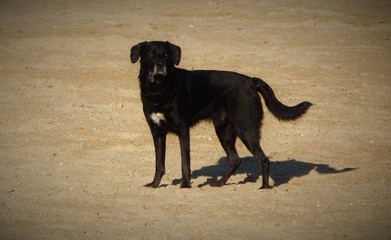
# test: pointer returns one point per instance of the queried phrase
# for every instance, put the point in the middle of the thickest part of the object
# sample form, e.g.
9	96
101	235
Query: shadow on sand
281	172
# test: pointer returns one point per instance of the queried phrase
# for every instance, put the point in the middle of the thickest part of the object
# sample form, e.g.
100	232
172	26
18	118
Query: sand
75	150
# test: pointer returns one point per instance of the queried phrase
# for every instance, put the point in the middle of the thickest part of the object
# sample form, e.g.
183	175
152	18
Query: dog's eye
151	54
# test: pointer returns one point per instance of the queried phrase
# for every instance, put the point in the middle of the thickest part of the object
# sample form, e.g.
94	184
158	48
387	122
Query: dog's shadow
281	172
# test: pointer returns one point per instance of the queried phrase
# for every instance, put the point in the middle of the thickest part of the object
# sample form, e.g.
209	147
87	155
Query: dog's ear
135	52
176	53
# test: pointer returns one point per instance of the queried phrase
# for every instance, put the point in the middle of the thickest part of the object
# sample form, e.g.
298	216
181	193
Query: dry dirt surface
76	150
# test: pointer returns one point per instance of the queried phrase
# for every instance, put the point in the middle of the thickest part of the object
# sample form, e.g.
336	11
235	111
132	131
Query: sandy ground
76	151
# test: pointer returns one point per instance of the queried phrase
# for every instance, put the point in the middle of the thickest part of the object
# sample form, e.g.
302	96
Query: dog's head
156	58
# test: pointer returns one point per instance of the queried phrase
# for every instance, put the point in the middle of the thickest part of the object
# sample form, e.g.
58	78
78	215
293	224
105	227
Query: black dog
175	99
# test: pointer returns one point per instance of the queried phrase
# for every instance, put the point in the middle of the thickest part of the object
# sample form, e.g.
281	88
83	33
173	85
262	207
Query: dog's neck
158	87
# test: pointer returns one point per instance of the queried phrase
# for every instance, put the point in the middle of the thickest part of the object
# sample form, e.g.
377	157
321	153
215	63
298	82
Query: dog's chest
158	109
156	112
157	117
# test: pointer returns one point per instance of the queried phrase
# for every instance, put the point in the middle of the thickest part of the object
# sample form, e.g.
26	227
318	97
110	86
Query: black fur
175	99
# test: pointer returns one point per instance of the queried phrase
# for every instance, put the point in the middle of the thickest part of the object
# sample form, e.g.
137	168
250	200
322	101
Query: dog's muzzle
159	69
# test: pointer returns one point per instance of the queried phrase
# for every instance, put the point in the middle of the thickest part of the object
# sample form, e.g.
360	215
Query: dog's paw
185	185
266	186
152	185
218	184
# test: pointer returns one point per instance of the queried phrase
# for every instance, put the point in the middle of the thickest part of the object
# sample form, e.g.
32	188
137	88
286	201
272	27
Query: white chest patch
157	117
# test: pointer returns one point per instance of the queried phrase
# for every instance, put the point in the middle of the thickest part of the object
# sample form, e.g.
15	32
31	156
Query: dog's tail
278	109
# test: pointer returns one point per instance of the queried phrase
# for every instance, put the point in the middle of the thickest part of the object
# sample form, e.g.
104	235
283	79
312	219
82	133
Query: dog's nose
160	64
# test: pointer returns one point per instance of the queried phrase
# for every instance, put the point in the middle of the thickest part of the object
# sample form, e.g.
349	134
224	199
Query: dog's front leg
159	140
184	141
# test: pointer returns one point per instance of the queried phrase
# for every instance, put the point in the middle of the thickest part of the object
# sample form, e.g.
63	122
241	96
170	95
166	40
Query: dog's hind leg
227	136
251	141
